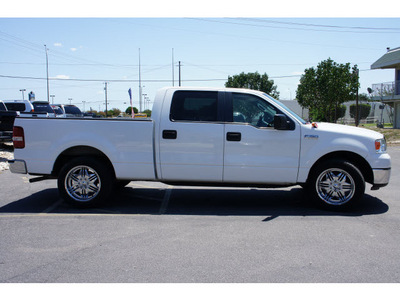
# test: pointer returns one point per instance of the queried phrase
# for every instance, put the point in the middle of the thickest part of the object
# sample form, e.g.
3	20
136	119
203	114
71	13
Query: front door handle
234	136
169	134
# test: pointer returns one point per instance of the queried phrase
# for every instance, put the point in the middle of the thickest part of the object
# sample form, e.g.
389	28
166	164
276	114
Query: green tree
323	89
128	111
114	112
147	112
253	81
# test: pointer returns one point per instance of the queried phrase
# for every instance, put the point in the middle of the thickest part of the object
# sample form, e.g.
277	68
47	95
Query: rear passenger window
15	106
195	106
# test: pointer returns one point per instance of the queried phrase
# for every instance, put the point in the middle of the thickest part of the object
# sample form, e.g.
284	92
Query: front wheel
336	185
85	182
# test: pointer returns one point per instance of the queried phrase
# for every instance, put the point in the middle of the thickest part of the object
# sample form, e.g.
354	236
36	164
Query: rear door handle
234	136
169	134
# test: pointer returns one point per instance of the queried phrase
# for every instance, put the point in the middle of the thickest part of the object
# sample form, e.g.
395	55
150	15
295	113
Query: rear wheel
85	182
336	185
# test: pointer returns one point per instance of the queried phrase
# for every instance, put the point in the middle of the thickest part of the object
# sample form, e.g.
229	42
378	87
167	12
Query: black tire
85	182
336	185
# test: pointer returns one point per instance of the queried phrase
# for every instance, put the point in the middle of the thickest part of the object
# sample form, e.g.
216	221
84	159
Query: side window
2	106
15	106
252	110
195	106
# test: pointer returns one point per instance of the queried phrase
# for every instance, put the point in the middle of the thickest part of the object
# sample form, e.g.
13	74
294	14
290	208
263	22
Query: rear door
192	137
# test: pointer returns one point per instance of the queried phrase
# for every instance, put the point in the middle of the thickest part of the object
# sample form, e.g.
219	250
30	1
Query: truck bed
128	144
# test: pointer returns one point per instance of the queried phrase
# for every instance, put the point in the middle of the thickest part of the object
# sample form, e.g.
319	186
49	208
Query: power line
142	80
318	25
108	80
290	28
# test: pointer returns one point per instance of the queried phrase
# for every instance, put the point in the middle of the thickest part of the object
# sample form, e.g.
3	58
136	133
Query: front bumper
17	166
381	177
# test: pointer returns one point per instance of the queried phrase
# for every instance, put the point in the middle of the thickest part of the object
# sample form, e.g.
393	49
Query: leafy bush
363	109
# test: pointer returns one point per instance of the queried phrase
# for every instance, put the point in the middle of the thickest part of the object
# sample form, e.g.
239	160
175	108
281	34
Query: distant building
389	92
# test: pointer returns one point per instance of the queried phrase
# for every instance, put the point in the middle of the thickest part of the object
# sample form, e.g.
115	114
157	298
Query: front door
255	152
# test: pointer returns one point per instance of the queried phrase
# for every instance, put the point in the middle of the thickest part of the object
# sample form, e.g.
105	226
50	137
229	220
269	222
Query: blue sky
86	52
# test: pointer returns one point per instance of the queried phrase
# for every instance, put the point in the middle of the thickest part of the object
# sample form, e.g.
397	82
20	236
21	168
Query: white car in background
58	111
70	110
24	108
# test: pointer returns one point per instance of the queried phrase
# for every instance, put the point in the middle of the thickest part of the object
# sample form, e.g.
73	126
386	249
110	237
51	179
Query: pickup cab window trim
230	117
197	107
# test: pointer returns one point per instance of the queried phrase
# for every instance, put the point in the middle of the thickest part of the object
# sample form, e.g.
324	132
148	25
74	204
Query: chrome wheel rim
335	186
82	183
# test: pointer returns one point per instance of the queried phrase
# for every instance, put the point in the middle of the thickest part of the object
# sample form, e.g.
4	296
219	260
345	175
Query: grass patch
392	135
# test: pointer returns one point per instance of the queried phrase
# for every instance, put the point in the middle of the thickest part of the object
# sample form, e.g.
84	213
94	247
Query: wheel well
70	153
357	160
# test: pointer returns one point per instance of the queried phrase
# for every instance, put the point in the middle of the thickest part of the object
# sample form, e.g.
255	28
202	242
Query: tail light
18	137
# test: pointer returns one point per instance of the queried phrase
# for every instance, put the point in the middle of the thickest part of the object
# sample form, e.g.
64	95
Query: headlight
380	146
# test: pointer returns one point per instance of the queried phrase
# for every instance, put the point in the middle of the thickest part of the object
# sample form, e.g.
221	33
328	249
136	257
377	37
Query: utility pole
105	93
47	72
357	112
173	68
179	73
140	87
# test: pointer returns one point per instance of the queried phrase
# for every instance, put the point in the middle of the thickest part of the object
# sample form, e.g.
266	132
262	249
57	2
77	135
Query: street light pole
22	90
105	95
47	73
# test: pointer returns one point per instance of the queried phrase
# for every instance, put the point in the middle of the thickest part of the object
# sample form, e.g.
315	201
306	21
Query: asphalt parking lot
157	233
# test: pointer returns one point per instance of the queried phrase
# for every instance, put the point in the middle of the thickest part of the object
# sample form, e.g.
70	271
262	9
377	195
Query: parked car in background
58	111
90	115
44	106
19	105
23	108
70	110
6	123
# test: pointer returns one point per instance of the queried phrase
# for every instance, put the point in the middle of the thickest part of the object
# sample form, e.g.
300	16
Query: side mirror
280	122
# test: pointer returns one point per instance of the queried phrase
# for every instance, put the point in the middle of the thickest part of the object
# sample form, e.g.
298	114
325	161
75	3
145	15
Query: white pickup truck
210	137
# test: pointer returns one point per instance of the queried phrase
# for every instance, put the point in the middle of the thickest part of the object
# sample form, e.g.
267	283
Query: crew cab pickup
210	137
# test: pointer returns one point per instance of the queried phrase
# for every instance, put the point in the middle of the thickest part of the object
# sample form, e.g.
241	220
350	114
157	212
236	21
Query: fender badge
311	136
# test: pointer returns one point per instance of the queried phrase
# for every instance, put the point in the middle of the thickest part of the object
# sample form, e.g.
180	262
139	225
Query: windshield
73	110
298	118
2	106
57	110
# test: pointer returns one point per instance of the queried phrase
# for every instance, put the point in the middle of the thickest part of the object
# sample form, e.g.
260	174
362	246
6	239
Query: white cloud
62	77
76	49
57	45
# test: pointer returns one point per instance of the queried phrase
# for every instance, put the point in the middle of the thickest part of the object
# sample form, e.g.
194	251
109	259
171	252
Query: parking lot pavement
153	232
